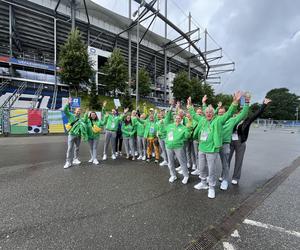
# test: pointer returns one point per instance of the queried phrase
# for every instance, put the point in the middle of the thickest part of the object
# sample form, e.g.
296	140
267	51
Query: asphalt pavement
119	204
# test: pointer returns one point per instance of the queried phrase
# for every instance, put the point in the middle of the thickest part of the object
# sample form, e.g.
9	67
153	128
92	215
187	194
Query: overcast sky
261	36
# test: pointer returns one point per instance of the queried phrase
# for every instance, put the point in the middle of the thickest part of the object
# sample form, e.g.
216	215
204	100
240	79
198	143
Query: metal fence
285	125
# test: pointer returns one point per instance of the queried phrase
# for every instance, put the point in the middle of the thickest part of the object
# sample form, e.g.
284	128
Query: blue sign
75	102
31	64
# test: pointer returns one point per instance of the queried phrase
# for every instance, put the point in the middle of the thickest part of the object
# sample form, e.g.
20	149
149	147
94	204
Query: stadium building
32	32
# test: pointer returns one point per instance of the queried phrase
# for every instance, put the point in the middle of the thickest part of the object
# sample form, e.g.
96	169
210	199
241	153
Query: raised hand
70	100
126	110
104	103
220	104
204	99
237	96
178	105
267	100
171	102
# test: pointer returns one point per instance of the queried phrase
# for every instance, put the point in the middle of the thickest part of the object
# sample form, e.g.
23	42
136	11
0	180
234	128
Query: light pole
137	12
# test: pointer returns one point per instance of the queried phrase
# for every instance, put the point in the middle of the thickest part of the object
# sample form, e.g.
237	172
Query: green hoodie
140	127
196	123
176	134
89	123
150	129
128	130
232	122
79	126
210	132
161	129
112	121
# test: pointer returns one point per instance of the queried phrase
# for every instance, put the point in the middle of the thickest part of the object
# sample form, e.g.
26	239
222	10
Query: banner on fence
55	122
34	121
19	121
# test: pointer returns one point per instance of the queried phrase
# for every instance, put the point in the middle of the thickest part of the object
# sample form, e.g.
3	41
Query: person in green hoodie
76	130
128	131
177	134
141	141
94	127
111	126
227	134
150	135
210	143
161	134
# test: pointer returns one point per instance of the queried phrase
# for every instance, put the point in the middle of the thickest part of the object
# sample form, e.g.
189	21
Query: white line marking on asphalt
235	234
228	246
268	226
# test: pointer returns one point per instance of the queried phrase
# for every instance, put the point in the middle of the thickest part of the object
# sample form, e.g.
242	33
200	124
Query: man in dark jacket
239	138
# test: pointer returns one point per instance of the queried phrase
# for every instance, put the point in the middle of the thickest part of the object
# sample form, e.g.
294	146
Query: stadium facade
32	32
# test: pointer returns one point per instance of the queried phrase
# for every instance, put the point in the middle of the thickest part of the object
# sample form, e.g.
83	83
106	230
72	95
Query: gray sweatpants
224	155
141	144
196	146
163	153
110	137
73	147
181	157
129	145
208	168
239	149
93	148
190	153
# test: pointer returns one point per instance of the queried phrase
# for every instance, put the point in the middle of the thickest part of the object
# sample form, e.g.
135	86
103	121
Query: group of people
192	137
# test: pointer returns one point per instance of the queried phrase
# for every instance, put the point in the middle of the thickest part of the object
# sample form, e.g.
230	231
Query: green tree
94	102
144	83
224	98
196	91
283	105
127	100
181	86
115	72
74	63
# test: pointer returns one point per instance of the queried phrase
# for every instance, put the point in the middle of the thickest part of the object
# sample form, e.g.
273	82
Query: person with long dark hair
128	131
94	128
119	138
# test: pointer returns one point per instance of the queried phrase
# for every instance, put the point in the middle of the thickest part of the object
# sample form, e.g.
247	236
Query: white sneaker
163	163
201	185
104	157
178	169
91	160
220	179
113	156
156	161
194	167
172	178
117	154
136	153
196	172
67	165
153	154
185	180
96	162
180	172
211	193
120	153
188	165
139	158
127	156
76	162
144	158
224	185
234	182
133	158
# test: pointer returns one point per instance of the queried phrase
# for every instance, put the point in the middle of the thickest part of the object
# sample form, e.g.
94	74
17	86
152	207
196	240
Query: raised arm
232	109
67	109
259	112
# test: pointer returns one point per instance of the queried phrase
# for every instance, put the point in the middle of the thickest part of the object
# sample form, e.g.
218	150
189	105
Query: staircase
9	102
